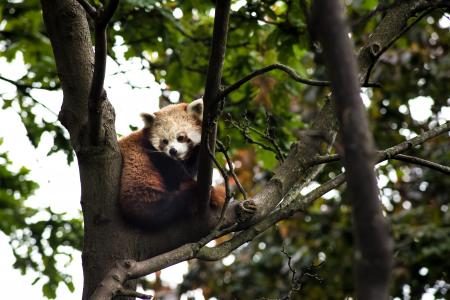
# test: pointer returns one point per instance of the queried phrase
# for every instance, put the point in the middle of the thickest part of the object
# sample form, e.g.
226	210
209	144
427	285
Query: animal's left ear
195	109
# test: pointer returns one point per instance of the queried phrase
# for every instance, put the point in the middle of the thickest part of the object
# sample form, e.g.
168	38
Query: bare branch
263	70
131	293
23	86
323	159
381	7
288	70
423	162
289	264
24	89
97	94
420	139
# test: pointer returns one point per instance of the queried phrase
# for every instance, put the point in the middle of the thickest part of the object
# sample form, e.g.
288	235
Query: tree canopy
309	253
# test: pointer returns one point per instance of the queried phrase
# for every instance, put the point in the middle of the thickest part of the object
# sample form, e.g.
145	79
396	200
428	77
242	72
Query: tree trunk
106	237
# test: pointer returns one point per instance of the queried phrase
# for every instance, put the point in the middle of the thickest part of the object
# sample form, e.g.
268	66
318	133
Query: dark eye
180	138
165	141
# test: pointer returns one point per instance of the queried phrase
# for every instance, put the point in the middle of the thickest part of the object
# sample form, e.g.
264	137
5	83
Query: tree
274	31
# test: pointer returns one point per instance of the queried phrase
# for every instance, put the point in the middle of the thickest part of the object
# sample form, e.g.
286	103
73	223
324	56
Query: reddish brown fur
155	189
137	169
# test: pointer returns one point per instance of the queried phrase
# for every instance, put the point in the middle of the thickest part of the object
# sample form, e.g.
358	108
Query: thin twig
289	264
244	130
224	174
221	148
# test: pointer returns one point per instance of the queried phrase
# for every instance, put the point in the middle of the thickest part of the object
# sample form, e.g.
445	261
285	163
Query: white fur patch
195	137
195	109
182	149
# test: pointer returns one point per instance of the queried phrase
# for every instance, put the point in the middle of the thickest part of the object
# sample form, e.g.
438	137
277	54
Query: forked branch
295	202
97	93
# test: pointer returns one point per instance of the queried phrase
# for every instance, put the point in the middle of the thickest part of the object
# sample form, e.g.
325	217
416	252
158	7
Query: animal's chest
172	172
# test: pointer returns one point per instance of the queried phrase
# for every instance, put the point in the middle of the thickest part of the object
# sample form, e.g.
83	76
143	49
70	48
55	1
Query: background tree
172	40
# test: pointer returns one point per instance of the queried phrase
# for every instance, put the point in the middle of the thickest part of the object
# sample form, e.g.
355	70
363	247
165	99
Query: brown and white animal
160	163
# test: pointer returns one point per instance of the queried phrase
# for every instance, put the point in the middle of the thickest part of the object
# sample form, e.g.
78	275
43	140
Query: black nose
173	151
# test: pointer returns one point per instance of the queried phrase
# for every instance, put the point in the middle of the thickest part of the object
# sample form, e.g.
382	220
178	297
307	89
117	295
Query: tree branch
288	70
409	144
298	204
373	249
293	171
423	162
394	151
377	52
211	101
395	19
294	202
97	94
23	86
131	293
90	10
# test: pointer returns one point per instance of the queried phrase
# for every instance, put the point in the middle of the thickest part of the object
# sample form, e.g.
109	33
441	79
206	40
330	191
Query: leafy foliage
38	237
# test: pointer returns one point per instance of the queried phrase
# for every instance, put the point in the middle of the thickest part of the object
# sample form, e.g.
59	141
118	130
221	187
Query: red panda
160	164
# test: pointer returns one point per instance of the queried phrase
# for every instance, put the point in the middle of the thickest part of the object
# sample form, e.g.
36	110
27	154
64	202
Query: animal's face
176	129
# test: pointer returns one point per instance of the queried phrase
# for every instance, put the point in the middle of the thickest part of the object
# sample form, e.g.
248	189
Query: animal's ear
195	109
148	119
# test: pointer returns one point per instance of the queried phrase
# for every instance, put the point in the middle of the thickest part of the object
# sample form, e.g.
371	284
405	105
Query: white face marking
175	131
181	148
195	137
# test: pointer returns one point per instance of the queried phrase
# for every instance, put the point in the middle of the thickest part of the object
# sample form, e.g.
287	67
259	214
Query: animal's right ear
195	109
148	119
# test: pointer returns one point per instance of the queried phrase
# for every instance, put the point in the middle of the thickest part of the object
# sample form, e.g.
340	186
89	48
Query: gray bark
373	249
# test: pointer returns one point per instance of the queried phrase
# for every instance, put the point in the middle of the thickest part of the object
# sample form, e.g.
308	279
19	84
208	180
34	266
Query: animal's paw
246	210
